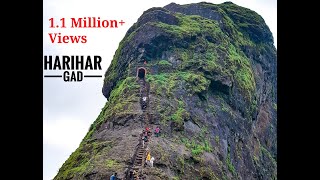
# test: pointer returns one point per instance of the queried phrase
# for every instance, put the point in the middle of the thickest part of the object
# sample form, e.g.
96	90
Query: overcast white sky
70	108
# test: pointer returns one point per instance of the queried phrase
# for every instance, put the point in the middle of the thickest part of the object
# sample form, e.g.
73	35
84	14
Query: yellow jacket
148	157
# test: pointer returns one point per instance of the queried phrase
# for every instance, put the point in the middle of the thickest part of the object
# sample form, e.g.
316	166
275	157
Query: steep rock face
212	88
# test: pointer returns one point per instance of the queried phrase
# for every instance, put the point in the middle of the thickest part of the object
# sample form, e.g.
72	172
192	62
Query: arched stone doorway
141	73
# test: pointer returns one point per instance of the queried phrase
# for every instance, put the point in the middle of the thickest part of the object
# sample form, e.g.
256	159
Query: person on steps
145	137
114	176
148	158
144	103
151	161
157	131
147	129
131	175
142	142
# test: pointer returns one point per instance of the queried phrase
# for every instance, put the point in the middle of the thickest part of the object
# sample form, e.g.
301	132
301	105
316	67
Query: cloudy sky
69	108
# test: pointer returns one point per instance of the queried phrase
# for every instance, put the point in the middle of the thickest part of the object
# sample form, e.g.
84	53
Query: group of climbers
147	132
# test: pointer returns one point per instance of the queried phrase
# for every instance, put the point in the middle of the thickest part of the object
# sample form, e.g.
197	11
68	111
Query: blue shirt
112	177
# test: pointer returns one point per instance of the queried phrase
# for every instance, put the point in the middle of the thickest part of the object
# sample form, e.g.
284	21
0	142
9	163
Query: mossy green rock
212	76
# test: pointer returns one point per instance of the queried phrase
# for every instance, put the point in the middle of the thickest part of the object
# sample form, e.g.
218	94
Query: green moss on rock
164	63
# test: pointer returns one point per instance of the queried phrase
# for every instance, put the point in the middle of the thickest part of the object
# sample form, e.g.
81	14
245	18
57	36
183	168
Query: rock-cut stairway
139	160
140	153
